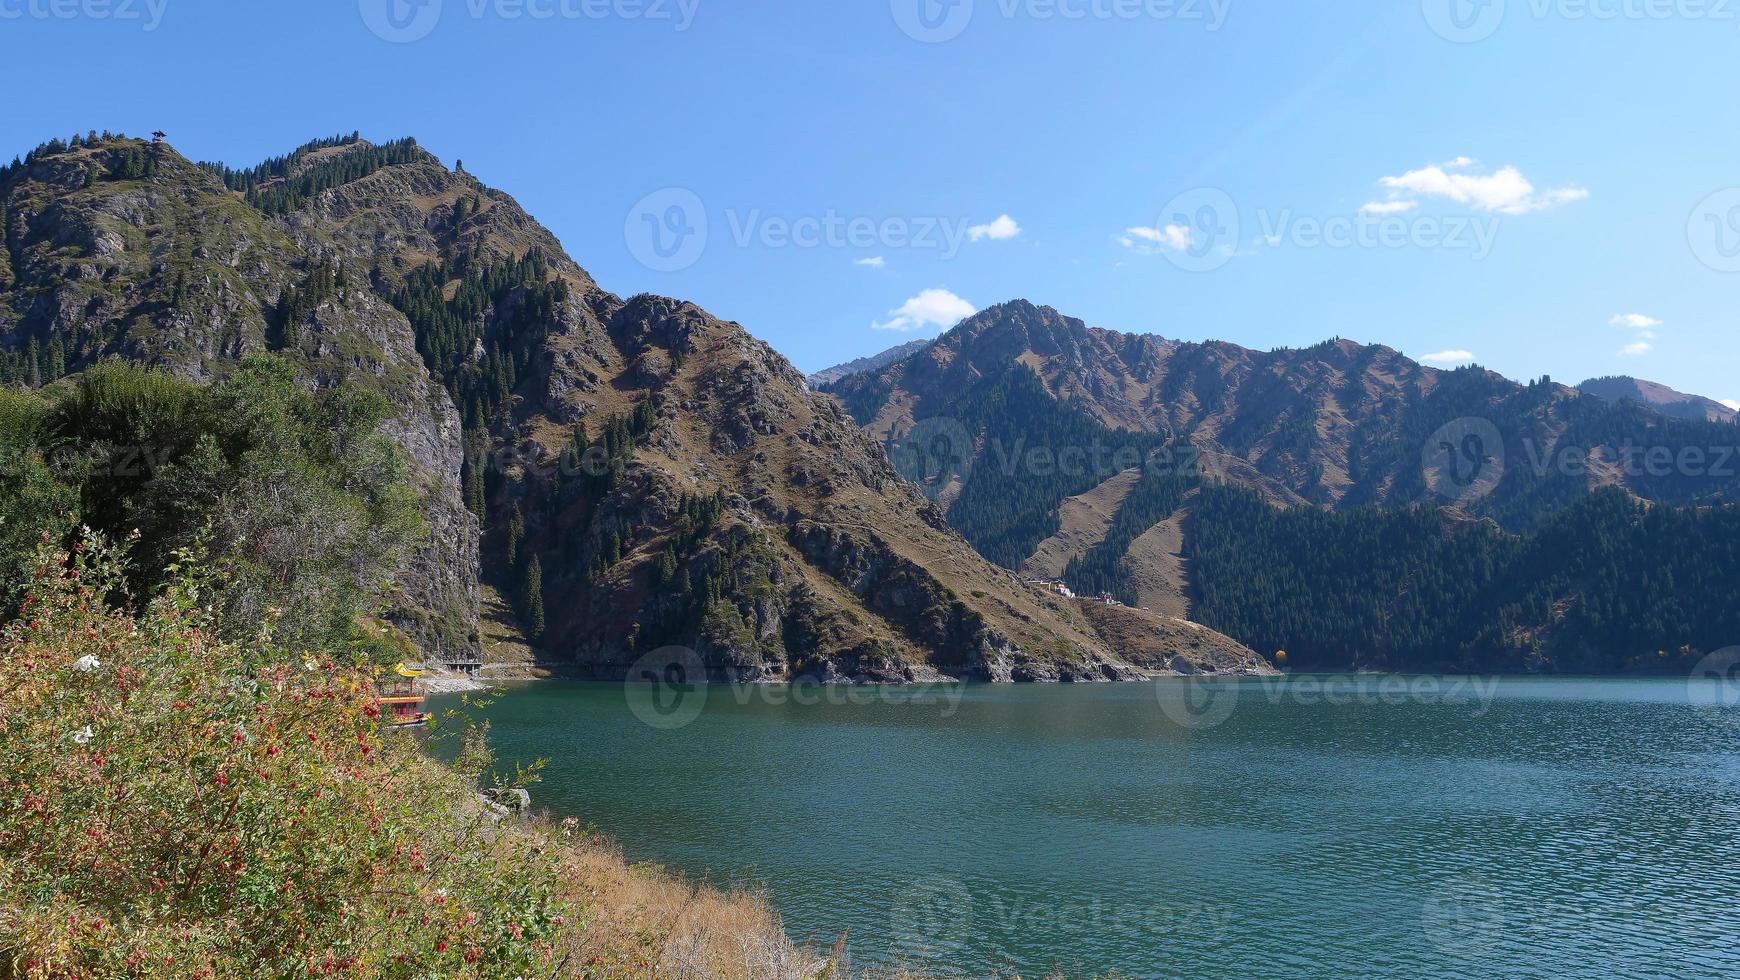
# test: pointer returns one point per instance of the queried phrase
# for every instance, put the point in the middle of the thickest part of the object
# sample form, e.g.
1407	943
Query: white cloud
1505	190
1149	240
1388	207
1732	403
1645	327
1636	350
933	307
1000	230
873	262
1449	357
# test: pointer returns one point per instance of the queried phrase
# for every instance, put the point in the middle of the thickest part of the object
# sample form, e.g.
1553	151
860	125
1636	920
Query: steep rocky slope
633	475
1336	425
1022	425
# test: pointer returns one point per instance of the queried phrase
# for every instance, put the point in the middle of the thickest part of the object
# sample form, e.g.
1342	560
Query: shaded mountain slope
1337	425
1357	477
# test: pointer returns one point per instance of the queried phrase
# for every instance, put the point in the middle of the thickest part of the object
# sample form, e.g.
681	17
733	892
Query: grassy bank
176	805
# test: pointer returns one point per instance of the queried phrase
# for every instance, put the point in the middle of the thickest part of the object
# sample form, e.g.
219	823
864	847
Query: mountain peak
1660	397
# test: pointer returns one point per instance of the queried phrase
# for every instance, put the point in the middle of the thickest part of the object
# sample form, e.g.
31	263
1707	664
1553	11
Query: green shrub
296	495
174	805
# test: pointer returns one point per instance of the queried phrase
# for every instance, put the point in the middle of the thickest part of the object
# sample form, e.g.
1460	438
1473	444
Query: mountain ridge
1346	447
651	476
828	376
1660	397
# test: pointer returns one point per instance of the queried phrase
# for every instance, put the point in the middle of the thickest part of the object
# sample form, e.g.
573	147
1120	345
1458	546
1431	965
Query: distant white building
1051	585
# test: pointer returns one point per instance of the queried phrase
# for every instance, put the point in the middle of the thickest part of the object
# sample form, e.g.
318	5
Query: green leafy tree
297	496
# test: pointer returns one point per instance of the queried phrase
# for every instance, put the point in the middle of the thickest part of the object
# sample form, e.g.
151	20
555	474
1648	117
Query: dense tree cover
697	576
482	340
1033	451
248	179
1665	459
35	498
1606	585
283	184
56	147
294	495
136	162
1156	496
1466	393
697	516
863	394
36	364
591	470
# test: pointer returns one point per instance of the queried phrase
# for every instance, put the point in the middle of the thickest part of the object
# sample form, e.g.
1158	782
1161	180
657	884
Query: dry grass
1083	522
643	921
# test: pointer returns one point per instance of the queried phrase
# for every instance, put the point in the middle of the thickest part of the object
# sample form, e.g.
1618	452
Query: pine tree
666	569
516	536
471	471
56	360
532	598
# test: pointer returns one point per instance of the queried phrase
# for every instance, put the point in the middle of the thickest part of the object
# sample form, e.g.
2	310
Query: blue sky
1540	184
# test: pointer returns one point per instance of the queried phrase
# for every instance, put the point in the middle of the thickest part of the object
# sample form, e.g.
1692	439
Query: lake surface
1313	826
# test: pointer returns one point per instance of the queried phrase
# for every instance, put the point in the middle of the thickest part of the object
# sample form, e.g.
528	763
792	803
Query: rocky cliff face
821	561
657	477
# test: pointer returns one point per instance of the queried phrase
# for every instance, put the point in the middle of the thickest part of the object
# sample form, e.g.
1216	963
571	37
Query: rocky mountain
1337	425
1127	464
1660	397
634	474
872	363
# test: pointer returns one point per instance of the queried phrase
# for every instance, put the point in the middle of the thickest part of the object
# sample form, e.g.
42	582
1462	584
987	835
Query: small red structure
402	699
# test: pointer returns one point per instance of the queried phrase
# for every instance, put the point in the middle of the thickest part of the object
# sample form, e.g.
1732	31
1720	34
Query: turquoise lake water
1312	826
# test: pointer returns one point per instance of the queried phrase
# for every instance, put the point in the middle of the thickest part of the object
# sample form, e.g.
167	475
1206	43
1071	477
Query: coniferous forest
1545	576
1037	451
1606	585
